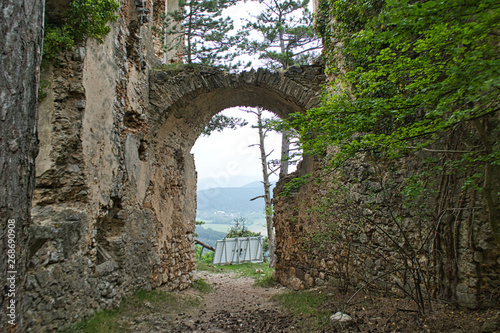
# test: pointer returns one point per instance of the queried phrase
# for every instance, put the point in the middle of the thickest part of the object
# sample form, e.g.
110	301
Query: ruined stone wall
367	224
115	202
115	199
175	50
100	228
357	227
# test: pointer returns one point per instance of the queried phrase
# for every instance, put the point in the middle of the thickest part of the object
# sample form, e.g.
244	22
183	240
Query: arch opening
181	105
229	171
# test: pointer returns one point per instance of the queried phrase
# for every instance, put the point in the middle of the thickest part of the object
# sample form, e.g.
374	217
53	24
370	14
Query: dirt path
233	305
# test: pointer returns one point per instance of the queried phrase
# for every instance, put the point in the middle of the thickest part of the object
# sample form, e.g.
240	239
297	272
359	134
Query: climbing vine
84	19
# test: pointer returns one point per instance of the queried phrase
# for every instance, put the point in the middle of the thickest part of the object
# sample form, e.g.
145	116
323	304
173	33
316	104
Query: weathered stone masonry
115	200
95	236
353	228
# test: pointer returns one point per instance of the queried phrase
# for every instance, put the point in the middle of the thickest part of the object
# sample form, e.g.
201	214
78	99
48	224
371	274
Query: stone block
42	277
296	284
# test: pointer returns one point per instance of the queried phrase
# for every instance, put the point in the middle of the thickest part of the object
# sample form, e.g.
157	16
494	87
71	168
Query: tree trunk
285	143
267	191
285	150
189	34
21	24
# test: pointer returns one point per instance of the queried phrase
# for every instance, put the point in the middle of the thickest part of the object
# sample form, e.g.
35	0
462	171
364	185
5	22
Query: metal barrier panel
238	250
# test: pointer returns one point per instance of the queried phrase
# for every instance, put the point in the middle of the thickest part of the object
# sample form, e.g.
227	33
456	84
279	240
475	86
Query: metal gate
238	250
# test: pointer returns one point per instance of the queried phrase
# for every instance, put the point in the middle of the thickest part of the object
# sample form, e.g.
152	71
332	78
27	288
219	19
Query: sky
228	159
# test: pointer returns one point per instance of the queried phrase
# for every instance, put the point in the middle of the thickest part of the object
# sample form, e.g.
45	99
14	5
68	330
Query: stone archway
190	98
115	200
182	103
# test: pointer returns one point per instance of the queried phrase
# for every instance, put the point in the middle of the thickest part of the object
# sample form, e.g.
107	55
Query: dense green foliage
287	35
415	69
204	255
412	74
199	29
84	19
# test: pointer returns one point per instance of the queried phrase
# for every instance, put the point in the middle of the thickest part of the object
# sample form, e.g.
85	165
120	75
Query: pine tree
239	229
199	28
287	34
219	122
287	38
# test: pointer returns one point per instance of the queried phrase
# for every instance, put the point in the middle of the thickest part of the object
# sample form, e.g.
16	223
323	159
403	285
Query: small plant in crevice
84	19
44	84
202	285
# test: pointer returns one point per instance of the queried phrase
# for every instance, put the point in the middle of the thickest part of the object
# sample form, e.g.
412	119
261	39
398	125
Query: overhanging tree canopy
411	73
287	35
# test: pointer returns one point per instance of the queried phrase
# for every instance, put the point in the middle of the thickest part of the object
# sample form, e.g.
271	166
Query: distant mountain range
218	207
237	181
209	236
232	199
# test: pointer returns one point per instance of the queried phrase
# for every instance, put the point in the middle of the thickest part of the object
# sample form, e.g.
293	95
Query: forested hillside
208	235
218	207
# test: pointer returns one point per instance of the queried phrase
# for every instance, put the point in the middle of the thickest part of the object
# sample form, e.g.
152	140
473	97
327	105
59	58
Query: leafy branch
84	19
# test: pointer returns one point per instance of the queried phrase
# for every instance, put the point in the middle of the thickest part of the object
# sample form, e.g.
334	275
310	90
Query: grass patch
203	266
308	307
103	321
265	281
248	269
260	272
141	303
202	285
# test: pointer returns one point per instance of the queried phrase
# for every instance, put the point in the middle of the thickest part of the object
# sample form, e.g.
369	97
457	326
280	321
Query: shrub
84	19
